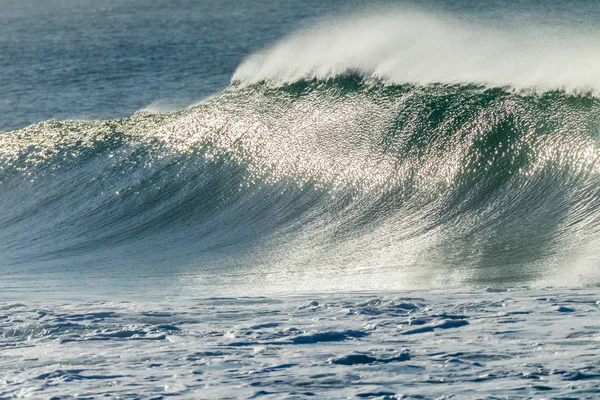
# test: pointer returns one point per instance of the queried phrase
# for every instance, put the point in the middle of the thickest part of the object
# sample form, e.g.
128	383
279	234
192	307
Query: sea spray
404	45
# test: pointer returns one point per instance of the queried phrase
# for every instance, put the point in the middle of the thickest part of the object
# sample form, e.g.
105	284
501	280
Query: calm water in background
109	58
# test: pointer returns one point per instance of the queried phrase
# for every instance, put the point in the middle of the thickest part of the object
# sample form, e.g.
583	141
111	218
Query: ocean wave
463	182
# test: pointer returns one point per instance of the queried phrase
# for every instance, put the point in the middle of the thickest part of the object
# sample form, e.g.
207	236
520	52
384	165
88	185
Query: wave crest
411	46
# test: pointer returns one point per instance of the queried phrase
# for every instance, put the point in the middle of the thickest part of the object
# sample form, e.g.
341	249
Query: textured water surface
485	344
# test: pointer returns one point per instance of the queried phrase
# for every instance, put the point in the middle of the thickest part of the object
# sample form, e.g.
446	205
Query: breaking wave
411	46
416	150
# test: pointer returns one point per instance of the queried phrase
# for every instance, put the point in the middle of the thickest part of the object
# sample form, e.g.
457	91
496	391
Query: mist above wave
422	47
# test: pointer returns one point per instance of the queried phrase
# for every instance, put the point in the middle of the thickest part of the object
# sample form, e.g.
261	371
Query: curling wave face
319	178
459	182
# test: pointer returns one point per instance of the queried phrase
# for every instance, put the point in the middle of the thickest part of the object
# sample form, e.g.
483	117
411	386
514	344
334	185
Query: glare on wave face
407	185
332	150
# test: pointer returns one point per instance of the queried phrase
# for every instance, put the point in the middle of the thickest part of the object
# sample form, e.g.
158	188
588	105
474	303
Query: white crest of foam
409	46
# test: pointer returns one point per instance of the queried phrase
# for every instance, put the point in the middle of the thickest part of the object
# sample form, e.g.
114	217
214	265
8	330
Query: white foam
523	343
412	46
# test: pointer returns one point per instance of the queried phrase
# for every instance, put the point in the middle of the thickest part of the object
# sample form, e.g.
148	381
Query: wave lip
411	46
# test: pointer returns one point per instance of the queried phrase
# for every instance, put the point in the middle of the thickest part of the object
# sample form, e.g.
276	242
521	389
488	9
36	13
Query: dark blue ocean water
99	59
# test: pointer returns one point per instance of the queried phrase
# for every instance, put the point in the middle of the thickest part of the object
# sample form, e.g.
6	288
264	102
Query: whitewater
395	202
407	45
